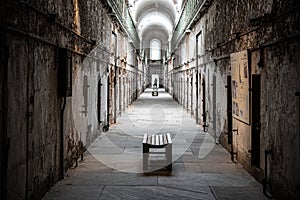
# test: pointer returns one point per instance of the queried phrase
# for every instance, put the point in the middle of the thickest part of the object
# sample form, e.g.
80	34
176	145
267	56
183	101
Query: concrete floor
112	166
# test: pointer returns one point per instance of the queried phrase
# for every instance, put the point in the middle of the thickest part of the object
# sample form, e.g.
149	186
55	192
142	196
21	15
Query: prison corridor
112	166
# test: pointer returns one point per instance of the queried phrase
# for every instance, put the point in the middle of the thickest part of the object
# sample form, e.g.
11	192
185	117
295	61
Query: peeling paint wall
48	132
269	30
280	115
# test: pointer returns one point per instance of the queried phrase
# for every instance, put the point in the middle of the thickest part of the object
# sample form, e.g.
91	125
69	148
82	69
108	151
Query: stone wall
280	116
272	27
48	131
269	30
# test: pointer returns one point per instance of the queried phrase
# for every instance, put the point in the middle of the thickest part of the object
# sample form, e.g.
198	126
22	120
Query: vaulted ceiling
155	19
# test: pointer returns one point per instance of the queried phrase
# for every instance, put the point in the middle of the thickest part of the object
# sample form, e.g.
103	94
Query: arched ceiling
154	19
160	6
155	33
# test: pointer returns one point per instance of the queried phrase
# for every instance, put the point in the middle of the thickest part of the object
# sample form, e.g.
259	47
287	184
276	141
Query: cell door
229	110
187	92
198	92
120	95
203	102
110	95
99	101
192	93
255	126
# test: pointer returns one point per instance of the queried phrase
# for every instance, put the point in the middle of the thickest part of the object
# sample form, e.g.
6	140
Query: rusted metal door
203	102
229	110
99	101
255	126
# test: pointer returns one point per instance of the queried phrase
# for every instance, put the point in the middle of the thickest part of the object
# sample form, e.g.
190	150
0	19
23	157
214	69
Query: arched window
155	49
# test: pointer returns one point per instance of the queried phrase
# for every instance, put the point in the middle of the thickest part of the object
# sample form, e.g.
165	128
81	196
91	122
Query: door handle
257	126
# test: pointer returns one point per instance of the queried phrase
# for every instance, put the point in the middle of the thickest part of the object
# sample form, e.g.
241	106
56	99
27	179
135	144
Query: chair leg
169	156
145	156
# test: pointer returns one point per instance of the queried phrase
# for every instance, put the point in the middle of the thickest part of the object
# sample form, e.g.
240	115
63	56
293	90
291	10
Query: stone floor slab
150	193
74	193
201	168
241	193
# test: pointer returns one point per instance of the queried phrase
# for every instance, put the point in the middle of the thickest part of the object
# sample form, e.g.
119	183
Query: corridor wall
47	124
267	31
